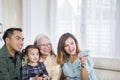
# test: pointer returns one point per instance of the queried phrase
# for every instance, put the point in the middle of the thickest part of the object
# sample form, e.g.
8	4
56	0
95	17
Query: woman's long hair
62	55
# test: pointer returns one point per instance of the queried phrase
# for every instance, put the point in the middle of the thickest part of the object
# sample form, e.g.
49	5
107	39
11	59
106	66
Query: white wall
35	19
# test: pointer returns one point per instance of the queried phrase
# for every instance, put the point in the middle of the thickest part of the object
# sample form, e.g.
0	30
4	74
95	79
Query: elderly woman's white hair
40	36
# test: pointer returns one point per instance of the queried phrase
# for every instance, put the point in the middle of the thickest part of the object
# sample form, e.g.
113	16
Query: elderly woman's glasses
48	45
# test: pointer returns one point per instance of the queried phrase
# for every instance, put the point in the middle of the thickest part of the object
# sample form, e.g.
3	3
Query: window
67	18
100	21
93	22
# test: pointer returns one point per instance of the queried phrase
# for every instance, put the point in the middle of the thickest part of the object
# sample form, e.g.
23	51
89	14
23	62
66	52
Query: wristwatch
83	65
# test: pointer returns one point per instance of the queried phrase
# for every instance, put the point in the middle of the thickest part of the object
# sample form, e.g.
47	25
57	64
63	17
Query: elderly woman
47	56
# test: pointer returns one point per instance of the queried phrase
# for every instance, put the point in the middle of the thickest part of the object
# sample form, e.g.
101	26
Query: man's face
15	42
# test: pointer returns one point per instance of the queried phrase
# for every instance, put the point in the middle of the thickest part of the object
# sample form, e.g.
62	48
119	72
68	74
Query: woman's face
44	46
70	46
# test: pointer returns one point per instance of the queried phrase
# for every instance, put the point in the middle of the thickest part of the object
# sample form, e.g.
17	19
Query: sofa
107	68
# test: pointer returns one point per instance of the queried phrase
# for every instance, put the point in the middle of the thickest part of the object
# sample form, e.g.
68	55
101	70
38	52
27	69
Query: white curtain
1	28
117	36
0	12
100	26
95	23
11	13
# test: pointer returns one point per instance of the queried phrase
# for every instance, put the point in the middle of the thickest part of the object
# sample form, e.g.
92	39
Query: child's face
33	55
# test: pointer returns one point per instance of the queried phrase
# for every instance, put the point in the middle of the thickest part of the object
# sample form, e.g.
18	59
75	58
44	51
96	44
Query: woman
48	56
75	64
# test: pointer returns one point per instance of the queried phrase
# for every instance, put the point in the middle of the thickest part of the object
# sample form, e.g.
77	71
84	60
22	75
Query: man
10	56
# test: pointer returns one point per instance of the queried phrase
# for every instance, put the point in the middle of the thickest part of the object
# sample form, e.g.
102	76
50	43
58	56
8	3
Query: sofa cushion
107	68
107	63
107	75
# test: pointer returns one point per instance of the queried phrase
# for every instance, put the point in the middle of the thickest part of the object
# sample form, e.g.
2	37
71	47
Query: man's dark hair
9	32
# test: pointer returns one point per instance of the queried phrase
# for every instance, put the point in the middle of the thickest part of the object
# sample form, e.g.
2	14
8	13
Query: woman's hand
83	72
83	61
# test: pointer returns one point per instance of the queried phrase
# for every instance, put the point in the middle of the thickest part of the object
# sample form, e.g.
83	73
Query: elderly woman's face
44	46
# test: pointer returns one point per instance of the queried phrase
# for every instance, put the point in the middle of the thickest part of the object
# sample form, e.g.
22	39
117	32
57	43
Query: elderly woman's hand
45	77
37	78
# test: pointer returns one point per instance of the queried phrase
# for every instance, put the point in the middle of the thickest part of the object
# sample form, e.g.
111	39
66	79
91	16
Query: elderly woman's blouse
53	69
